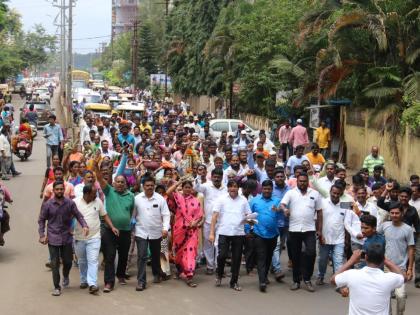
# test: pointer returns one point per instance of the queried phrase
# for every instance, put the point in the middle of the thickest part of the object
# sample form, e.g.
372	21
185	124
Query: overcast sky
92	18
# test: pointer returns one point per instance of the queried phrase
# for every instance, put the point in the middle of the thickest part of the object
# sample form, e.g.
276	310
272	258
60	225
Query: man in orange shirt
68	187
315	157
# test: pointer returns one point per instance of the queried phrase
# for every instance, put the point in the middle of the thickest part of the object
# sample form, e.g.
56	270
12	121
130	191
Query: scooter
23	148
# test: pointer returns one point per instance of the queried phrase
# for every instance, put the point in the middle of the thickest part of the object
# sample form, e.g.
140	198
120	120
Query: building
124	12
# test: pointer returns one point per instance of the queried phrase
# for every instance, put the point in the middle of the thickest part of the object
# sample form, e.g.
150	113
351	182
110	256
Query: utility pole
69	99
62	25
166	59
135	45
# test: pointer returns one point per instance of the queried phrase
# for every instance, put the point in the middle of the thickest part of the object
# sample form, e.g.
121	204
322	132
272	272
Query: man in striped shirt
373	160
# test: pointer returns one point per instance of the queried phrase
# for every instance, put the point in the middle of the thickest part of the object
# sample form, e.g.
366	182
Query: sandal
218	282
236	287
190	283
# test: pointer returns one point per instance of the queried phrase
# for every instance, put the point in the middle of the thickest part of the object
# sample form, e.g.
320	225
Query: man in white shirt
296	159
211	191
267	144
152	223
87	247
301	204
229	212
84	133
335	220
324	183
6	154
370	288
106	151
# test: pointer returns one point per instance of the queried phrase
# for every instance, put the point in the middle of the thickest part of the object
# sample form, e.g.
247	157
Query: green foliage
150	43
214	43
147	50
411	116
21	50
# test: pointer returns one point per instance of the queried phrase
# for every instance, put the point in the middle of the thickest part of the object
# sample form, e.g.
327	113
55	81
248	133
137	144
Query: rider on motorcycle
32	116
25	129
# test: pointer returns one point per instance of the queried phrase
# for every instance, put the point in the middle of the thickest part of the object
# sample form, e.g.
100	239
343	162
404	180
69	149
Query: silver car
231	126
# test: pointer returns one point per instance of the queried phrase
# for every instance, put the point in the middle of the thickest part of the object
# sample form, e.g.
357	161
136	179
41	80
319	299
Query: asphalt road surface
25	283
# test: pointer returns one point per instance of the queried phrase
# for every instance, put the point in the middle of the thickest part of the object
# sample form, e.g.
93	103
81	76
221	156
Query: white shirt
241	172
370	289
232	214
91	213
324	183
334	221
415	204
5	145
302	209
84	133
152	216
369	207
211	194
110	153
268	145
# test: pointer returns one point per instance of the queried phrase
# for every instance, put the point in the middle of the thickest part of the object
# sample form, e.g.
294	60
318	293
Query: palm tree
372	47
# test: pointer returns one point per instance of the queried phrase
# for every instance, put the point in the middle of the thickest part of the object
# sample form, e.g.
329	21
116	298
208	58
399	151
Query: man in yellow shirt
323	138
315	157
144	125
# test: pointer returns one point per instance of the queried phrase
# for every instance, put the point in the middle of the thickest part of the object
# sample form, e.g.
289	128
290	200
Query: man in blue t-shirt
368	226
266	230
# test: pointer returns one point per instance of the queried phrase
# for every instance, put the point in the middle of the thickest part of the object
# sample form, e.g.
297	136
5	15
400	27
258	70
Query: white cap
243	132
272	152
299	121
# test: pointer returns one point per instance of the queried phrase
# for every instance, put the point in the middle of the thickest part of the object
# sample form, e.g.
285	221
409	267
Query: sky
92	18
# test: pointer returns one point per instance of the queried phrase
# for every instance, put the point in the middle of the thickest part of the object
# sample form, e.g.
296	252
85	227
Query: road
25	284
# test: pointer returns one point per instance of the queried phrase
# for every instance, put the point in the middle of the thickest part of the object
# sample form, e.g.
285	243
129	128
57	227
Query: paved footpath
25	284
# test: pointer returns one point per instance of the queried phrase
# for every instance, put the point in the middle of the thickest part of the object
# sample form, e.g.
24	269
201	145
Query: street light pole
69	71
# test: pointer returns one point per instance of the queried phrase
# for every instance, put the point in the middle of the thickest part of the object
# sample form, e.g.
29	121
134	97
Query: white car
231	126
43	93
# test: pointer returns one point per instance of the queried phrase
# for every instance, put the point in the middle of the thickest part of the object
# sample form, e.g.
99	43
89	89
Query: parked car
42	108
231	126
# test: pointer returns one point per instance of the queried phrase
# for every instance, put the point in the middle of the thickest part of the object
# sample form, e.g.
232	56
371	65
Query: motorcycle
23	148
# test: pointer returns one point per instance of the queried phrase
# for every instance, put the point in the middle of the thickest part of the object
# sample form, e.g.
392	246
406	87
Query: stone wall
360	138
257	122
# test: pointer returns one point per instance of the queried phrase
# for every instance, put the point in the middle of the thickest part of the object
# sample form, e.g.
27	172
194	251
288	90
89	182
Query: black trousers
264	248
142	245
235	243
249	252
284	148
303	265
110	244
66	254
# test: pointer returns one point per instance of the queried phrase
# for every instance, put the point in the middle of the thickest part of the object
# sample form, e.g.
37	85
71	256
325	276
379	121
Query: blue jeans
275	262
337	253
88	257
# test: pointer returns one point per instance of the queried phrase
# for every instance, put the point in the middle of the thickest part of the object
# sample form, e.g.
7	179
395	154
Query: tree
148	53
370	53
35	47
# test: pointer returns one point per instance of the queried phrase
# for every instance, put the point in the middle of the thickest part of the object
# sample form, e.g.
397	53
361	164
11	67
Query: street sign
314	117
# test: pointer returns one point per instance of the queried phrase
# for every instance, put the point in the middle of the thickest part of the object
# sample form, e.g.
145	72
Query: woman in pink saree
186	229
